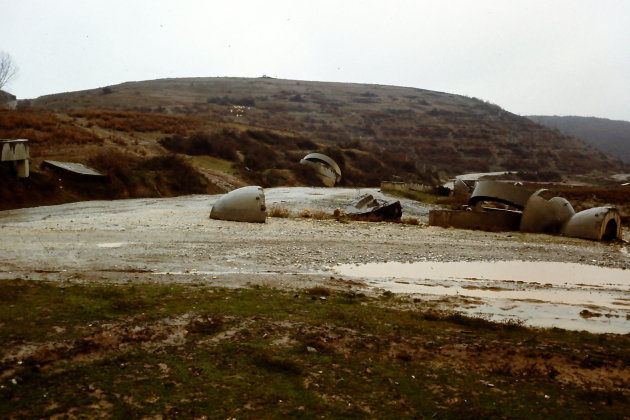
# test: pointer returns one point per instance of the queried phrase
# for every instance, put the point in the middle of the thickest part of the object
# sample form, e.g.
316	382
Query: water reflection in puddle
111	244
546	294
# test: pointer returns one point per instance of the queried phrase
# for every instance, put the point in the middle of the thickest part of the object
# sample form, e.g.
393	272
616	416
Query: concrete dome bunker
535	214
245	204
327	169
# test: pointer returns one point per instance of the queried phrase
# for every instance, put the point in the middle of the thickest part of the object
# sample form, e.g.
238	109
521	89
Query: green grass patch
189	351
423	197
214	163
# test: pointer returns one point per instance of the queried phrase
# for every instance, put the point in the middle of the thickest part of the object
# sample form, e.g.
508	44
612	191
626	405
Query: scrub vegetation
587	197
446	132
187	351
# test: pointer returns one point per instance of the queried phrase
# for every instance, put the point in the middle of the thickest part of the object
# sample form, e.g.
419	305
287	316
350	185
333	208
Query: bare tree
8	69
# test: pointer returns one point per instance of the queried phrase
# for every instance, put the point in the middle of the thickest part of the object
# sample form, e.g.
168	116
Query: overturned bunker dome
535	214
245	204
327	169
543	215
598	223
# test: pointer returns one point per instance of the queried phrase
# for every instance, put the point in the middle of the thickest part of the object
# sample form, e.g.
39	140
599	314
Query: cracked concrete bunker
16	152
245	204
327	169
535	214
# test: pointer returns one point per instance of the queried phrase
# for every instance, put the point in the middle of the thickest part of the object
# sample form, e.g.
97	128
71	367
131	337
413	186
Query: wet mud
542	294
173	240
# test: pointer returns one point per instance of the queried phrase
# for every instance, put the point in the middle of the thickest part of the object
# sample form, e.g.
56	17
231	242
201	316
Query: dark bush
132	176
175	173
336	154
543	176
297	98
259	157
222	144
367	163
306	144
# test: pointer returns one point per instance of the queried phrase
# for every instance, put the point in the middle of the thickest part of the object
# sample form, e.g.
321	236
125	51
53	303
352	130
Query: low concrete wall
404	186
488	220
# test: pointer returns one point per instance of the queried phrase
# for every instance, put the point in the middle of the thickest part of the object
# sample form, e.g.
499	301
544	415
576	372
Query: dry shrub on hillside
541	176
128	121
133	176
575	161
371	218
475	165
36	120
278	212
280	140
222	144
261	149
315	214
453	201
410	221
176	173
616	195
42	127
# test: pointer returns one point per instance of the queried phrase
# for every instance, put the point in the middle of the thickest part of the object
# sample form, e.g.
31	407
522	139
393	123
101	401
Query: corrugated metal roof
77	168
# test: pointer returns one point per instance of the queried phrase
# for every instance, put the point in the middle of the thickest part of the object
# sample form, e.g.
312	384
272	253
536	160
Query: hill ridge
610	136
449	132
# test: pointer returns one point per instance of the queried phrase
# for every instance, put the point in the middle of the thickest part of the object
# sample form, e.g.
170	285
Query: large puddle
544	294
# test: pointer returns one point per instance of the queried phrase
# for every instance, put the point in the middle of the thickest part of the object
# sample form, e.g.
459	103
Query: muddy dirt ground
173	240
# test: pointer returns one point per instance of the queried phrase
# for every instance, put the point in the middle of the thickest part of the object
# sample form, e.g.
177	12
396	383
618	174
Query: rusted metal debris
245	204
531	212
493	220
366	206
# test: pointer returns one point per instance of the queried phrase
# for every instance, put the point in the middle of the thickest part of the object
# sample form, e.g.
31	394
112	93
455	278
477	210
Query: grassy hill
609	136
418	127
208	135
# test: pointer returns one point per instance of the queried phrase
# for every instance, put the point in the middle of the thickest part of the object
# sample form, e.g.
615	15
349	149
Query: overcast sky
552	57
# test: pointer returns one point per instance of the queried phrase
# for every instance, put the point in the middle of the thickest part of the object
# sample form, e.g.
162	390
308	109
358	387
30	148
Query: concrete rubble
245	204
366	205
528	212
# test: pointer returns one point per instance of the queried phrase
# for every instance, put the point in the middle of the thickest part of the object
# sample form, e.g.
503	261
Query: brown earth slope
415	127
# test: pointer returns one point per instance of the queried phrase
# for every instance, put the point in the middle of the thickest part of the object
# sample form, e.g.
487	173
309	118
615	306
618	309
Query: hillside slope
405	126
609	136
